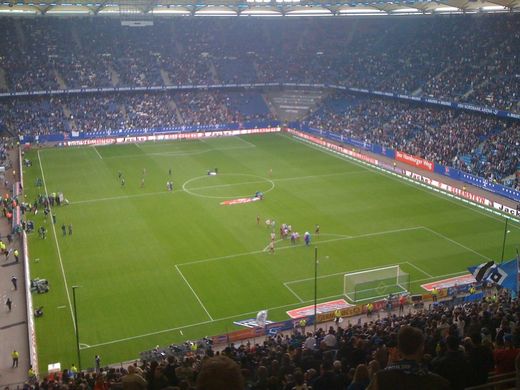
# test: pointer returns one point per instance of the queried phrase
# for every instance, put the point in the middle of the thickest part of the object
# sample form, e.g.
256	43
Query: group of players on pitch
286	231
169	183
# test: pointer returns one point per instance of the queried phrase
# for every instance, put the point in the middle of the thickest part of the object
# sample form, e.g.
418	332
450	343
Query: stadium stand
479	338
467	58
482	145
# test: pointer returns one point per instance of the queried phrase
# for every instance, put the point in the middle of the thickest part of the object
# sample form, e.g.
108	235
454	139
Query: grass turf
159	267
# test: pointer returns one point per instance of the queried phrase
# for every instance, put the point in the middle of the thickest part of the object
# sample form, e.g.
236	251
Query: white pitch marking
456	243
289	247
194	293
338	273
57	245
239	316
292	291
251	145
122	197
419	269
394	176
110	198
99	155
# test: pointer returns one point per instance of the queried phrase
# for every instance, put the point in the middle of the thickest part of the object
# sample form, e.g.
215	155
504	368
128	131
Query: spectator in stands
453	365
505	355
408	373
361	378
133	380
220	373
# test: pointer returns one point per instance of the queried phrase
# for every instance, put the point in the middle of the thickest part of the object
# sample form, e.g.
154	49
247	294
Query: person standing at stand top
337	316
15	355
435	294
370	309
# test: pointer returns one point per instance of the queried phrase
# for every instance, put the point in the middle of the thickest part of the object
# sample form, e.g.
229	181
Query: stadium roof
253	7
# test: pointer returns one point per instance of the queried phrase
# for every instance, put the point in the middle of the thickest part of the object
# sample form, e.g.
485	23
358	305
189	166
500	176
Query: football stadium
258	194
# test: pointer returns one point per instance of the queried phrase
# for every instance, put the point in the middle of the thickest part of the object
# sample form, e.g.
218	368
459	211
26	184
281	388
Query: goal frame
394	271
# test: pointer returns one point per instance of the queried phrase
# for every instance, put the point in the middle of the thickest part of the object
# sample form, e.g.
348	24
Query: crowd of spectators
98	112
451	346
465	58
482	145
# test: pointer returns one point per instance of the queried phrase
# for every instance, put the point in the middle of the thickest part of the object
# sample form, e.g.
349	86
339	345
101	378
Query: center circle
224	181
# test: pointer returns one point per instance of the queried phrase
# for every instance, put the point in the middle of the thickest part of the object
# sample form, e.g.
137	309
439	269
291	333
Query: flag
481	272
261	318
505	274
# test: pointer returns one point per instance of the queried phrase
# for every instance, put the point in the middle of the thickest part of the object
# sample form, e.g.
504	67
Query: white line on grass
122	197
440	276
456	243
204	323
320	176
344	236
251	145
338	273
292	291
177	153
394	176
419	269
194	293
97	152
293	246
110	198
236	316
57	245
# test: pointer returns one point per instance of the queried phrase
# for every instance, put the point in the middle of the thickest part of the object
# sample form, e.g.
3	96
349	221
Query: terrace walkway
13	324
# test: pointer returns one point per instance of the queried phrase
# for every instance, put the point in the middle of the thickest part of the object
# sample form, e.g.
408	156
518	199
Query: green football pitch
156	267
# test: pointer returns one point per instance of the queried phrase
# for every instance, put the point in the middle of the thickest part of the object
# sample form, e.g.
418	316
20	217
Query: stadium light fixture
170	11
488	8
446	9
16	11
405	10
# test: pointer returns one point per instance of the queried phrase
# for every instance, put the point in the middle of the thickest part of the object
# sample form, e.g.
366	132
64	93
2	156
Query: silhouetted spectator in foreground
220	373
408	373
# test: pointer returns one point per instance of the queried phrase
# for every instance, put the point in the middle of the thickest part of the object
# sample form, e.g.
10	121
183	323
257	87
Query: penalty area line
419	269
292	291
194	293
294	304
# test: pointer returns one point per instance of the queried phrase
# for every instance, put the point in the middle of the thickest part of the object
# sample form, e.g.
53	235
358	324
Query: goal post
375	283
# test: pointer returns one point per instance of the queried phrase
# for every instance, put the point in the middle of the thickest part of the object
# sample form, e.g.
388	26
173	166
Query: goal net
375	283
